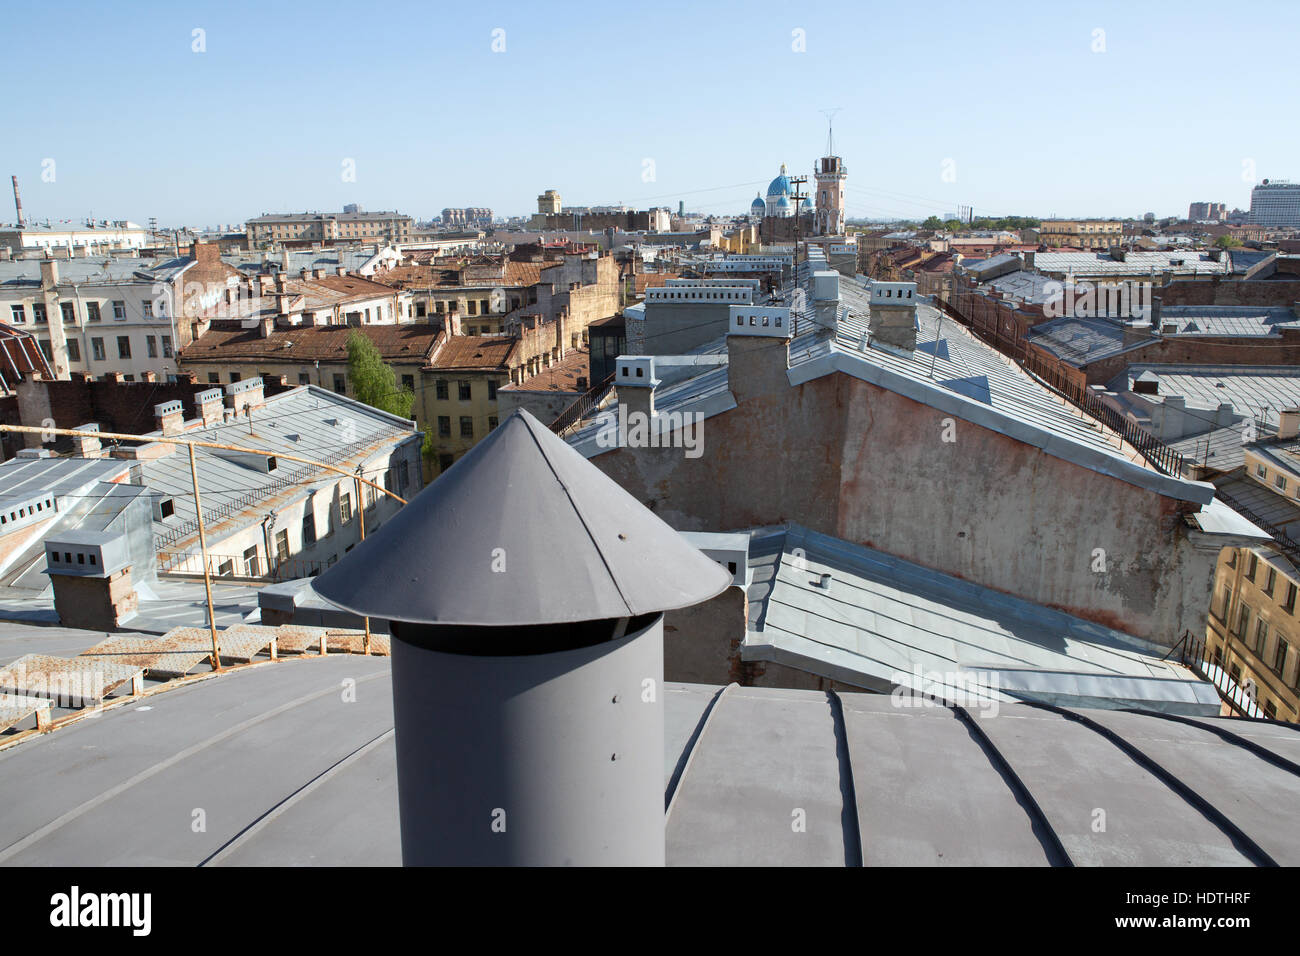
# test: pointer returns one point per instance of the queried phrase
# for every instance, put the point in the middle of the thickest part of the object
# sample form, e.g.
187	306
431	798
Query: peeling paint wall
856	461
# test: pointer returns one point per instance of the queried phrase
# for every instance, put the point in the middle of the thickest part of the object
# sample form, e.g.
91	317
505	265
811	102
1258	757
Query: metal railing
1156	453
1284	542
251	498
191	562
1193	653
583	406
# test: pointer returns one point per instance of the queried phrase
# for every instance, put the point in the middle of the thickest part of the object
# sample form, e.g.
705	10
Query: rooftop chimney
527	691
169	417
758	350
892	320
246	393
92	579
210	404
635	383
86	447
1288	424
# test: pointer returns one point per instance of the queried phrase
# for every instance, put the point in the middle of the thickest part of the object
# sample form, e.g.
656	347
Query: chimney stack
169	417
758	350
527	692
86	447
246	393
892	320
1288	424
91	575
635	383
18	205
210	405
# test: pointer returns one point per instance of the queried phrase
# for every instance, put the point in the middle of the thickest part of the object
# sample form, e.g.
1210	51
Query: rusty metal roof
521	530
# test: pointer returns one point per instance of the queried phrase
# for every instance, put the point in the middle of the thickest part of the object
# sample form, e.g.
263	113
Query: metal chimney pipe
527	690
18	204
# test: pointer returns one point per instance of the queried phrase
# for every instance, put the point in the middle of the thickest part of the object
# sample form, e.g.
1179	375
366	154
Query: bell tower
830	175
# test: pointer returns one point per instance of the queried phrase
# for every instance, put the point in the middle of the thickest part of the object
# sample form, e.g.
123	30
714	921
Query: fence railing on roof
248	499
583	406
1156	453
1194	654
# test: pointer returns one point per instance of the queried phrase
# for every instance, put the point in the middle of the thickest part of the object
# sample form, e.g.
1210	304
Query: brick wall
1279	292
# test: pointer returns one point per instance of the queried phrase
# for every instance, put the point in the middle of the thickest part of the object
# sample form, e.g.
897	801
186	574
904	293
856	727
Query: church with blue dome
779	197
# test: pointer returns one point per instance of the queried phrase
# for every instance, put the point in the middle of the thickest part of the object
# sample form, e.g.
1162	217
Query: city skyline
1019	111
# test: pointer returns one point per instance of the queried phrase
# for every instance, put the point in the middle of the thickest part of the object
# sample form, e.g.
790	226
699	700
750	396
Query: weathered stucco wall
856	461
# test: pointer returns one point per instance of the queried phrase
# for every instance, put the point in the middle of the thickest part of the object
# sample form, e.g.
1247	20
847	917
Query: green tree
934	224
374	382
1227	241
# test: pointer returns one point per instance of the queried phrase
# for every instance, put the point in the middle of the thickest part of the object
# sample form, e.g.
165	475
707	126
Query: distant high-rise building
1275	203
1200	211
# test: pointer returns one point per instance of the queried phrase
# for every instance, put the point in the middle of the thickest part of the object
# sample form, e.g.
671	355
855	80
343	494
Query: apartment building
1275	203
459	398
352	224
92	238
1078	233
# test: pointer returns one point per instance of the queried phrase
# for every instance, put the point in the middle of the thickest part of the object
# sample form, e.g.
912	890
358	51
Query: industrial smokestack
18	204
528	685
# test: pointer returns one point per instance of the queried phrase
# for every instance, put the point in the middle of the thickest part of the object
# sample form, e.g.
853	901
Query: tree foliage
374	382
1227	241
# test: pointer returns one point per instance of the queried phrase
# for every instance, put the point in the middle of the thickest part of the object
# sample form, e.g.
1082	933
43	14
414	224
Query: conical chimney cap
522	530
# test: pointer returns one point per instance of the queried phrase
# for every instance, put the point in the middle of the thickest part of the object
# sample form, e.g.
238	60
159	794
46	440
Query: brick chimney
245	394
1288	424
91	575
893	316
635	382
169	417
210	405
758	350
86	447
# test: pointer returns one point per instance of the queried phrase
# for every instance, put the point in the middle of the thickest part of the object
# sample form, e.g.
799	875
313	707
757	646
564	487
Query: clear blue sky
1033	120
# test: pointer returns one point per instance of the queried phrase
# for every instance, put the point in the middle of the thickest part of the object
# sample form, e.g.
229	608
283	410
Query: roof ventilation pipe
527	691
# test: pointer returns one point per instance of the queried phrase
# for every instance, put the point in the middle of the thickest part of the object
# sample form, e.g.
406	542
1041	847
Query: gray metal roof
299	780
1227	320
1257	391
1178	262
94	270
950	369
573	544
1078	340
885	622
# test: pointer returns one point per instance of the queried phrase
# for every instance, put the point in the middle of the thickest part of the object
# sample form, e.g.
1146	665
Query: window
472	307
304	378
408	382
1289	603
440	389
308	526
462	391
281	546
124	346
251	563
340	384
1243	621
92	311
146	308
226	569
97	349
38	312
1279	656
18	314
492	390
1252	564
69	310
466	426
119	310
345	508
234	377
1280	482
1261	471
1269	581
214	378
492	422
167	346
74	350
444	462
151	346
444	426
45	349
1261	636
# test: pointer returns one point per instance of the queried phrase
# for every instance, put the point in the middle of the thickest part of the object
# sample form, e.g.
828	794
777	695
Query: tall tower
830	174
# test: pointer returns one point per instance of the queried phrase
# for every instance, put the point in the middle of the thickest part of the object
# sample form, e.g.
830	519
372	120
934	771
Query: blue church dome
758	207
783	203
780	186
